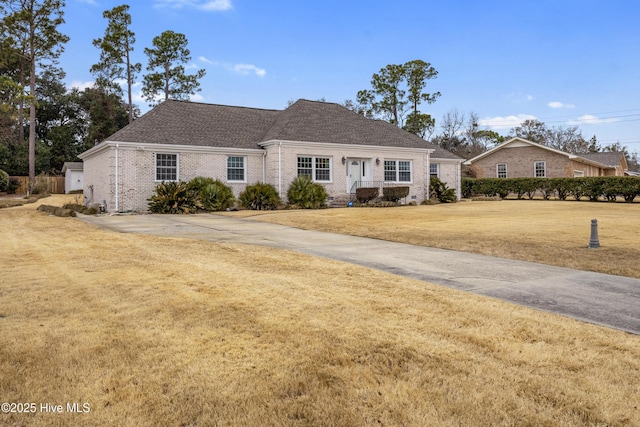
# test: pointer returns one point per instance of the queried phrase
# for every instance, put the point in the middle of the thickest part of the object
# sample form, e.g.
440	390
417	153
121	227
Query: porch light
377	161
344	160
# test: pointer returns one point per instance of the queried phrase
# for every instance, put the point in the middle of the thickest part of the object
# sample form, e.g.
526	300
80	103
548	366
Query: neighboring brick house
179	140
520	158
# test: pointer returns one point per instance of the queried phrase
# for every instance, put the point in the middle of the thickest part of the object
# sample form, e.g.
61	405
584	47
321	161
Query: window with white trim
501	170
397	170
236	170
434	170
316	168
166	167
540	169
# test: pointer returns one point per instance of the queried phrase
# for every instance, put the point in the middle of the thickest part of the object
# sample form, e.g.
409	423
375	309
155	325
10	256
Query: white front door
356	173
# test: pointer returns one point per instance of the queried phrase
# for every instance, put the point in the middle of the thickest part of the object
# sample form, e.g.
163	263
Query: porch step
340	201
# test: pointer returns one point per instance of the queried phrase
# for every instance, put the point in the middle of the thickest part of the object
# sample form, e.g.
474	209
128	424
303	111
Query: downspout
459	179
428	189
280	167
117	207
264	166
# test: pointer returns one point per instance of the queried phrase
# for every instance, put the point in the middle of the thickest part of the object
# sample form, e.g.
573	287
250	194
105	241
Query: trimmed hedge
594	187
393	194
367	194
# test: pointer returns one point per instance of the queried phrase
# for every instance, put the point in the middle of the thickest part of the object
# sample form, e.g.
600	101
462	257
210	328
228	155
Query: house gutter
264	166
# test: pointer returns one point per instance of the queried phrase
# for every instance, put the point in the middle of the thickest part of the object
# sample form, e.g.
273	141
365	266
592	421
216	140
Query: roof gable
514	143
602	160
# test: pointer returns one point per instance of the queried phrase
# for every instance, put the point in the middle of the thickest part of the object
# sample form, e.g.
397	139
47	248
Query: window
166	167
316	168
501	170
397	170
235	169
578	174
434	169
539	169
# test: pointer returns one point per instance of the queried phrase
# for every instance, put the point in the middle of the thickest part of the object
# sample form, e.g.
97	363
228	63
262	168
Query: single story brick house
520	158
180	140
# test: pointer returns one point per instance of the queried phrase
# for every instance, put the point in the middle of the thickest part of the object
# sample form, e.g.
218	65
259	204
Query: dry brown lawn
162	331
549	232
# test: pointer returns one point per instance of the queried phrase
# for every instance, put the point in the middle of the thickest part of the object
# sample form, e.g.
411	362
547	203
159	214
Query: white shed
73	172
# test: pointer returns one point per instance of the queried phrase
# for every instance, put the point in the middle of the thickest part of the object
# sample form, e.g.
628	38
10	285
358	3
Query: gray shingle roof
606	158
188	123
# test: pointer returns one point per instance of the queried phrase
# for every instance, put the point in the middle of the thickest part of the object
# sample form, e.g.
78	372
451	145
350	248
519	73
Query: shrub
594	187
4	180
40	185
307	194
214	195
441	192
174	198
468	187
14	184
56	210
259	196
393	194
86	210
367	194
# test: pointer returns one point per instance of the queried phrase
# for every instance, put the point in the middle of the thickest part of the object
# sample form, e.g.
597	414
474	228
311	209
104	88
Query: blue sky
564	62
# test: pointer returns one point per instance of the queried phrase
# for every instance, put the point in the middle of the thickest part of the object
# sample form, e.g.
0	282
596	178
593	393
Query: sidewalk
611	301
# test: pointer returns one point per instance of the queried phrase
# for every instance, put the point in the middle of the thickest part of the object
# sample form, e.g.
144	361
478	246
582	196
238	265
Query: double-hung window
236	170
316	168
434	170
540	169
166	167
501	170
397	170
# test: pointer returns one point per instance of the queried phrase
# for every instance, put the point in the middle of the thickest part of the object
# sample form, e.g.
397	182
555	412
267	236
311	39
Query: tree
168	54
396	94
115	56
417	73
569	139
460	135
105	114
31	28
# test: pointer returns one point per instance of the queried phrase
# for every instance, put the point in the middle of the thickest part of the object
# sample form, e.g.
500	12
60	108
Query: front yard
549	232
167	331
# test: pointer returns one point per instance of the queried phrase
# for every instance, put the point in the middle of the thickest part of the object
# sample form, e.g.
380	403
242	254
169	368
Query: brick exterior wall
136	170
282	176
520	163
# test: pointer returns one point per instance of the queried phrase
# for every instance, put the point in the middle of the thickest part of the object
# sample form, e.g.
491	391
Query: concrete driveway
602	299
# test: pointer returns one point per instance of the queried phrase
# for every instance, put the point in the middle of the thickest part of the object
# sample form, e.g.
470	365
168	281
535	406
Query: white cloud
505	122
77	84
246	69
205	60
558	104
589	119
529	98
196	97
206	5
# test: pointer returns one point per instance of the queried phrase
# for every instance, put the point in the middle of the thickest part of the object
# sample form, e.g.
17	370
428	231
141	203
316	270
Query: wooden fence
55	184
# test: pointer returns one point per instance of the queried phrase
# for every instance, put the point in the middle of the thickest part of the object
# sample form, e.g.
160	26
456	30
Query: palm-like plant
306	193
